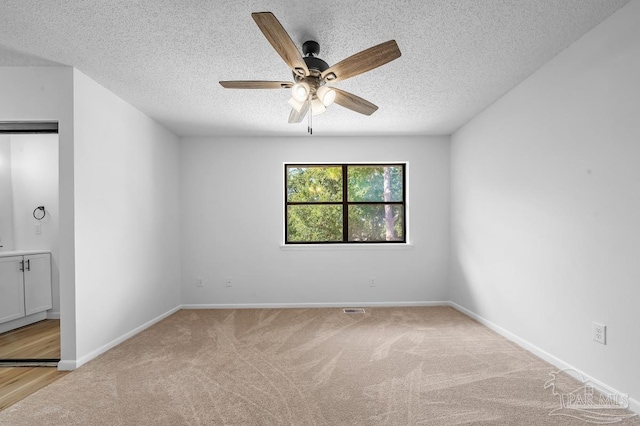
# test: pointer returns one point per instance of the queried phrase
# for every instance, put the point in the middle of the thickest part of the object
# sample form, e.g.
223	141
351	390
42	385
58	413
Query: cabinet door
37	283
11	289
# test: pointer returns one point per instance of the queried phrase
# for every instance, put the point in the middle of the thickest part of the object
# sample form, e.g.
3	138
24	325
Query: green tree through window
345	203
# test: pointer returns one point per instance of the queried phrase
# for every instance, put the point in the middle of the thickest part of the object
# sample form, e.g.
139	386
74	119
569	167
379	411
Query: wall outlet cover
599	333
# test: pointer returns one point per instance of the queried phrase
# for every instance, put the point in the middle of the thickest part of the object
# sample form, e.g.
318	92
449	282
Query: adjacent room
328	213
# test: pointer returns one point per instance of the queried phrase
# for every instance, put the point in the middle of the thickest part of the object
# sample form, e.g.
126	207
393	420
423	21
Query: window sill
332	247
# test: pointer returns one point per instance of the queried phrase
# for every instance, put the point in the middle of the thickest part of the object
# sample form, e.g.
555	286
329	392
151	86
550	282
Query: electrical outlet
228	282
199	282
372	282
38	229
600	333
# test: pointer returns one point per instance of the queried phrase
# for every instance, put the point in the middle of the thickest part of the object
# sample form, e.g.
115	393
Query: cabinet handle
22	266
28	264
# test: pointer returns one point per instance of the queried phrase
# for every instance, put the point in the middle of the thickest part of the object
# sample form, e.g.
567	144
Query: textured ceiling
166	57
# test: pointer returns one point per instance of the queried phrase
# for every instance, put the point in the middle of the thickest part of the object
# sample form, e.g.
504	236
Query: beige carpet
389	366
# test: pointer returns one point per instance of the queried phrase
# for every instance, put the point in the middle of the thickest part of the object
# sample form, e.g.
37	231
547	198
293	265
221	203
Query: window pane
376	222
375	183
309	223
314	184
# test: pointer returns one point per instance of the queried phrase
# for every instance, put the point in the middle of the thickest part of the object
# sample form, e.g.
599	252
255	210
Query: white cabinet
25	285
11	288
37	283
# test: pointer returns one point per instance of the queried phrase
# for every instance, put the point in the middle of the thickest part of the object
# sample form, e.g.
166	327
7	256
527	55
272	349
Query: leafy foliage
320	189
314	184
315	223
367	183
367	223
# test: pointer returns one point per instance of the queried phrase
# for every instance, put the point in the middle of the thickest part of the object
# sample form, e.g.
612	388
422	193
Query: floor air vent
353	311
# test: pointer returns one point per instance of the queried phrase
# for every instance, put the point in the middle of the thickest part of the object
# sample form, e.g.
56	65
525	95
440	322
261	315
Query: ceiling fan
310	90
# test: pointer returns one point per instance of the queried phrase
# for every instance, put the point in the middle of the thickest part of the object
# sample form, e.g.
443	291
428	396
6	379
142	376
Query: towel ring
44	213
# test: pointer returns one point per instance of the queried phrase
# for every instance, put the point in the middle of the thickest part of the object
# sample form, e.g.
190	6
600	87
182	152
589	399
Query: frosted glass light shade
300	91
317	107
326	95
295	104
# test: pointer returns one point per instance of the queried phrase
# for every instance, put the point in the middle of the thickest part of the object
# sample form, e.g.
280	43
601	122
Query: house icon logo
588	401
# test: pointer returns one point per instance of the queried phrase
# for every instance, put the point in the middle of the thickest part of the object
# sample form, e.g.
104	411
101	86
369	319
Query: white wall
232	225
126	218
34	165
546	206
46	94
118	179
6	195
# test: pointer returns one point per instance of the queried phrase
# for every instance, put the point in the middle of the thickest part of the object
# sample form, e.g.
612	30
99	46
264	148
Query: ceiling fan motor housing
310	49
314	63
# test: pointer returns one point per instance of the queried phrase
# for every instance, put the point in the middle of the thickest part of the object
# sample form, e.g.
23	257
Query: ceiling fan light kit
297	105
326	95
300	91
317	107
311	74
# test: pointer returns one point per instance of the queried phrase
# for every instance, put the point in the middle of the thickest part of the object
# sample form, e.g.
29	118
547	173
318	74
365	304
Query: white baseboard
69	365
53	315
312	305
634	405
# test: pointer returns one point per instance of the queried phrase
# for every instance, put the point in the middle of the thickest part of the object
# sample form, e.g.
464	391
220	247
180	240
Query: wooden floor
39	340
19	382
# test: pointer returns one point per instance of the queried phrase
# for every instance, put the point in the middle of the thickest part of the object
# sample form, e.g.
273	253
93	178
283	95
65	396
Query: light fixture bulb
300	91
295	104
326	95
317	107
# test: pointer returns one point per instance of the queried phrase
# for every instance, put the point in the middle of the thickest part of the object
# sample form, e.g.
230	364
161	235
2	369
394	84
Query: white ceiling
166	56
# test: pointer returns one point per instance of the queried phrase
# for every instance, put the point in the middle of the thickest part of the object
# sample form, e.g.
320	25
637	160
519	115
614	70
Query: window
345	203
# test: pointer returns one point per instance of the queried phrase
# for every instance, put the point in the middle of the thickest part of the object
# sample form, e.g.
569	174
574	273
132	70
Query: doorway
29	224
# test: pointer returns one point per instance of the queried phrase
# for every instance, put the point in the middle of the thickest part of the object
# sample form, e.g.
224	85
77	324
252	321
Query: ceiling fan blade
353	102
362	62
281	42
256	84
295	116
